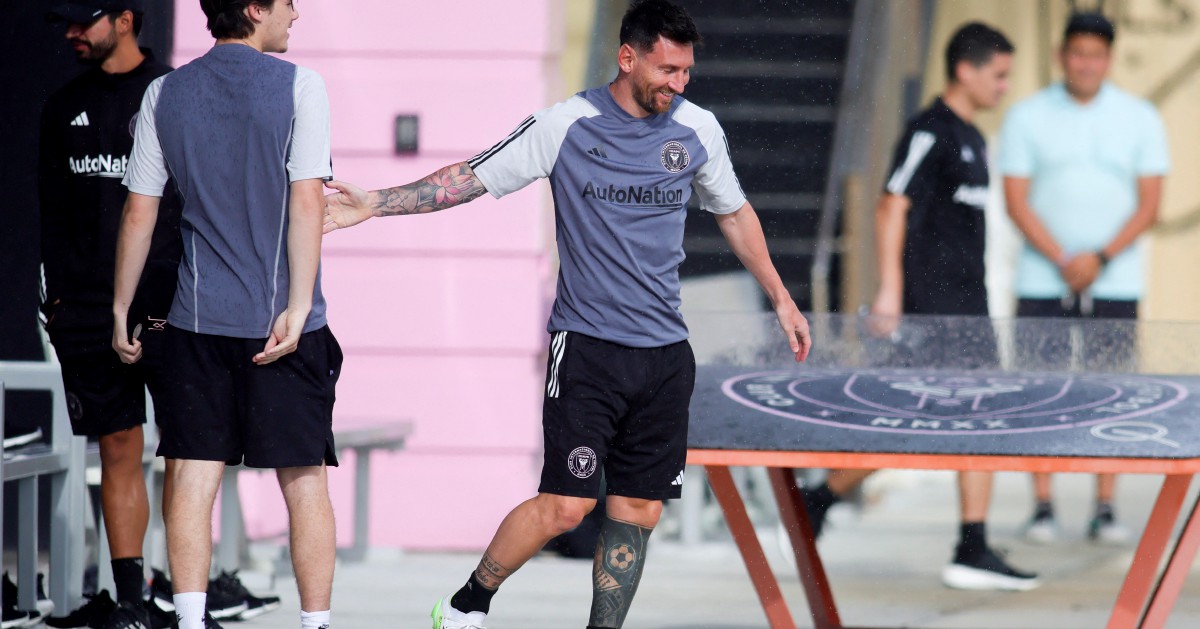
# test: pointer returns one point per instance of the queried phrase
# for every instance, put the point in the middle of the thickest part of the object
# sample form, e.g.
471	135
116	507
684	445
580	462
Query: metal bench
61	462
362	440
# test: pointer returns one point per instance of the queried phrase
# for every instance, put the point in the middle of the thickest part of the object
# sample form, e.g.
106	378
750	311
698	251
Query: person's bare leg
842	481
194	487
1041	487
123	492
620	557
974	495
311	525
1106	486
524	531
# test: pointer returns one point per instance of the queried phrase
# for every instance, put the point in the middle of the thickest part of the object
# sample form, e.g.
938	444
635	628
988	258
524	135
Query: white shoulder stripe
918	148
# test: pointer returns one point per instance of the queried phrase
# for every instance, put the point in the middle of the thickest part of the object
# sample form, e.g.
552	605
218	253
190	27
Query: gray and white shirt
621	186
235	127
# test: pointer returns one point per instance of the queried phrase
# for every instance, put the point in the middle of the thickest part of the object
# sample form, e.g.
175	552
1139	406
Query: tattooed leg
620	556
490	573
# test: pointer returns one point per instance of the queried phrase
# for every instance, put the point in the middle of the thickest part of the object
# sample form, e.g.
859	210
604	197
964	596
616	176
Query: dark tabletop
925	411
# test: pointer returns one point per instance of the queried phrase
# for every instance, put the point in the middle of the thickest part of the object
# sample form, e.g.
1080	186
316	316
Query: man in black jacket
86	137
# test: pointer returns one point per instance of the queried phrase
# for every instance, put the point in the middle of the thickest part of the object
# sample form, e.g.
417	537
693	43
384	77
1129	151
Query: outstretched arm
744	233
446	188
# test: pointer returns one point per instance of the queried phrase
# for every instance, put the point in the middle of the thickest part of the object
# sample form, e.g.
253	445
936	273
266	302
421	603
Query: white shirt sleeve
147	171
531	150
309	155
717	186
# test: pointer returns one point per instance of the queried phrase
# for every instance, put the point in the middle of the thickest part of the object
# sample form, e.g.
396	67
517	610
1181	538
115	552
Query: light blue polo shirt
1083	162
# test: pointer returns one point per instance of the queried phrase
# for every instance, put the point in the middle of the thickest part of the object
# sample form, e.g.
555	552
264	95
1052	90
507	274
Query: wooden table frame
1145	599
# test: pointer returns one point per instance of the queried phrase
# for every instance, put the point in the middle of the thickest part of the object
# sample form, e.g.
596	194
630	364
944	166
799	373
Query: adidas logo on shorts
678	482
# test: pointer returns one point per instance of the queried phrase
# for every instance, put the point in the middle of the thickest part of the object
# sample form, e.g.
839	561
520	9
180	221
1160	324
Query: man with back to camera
1083	165
85	140
930	244
251	363
620	215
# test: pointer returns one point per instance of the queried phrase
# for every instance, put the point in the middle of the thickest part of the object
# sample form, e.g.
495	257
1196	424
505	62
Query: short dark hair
1089	24
137	21
227	18
976	43
646	20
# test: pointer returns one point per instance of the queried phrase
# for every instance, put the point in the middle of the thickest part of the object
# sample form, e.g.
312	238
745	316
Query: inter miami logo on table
948	403
582	462
674	156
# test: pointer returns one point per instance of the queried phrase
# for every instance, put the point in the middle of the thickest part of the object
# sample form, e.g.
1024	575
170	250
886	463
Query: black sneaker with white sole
160	590
93	613
209	623
45	606
230	584
223	603
12	618
985	570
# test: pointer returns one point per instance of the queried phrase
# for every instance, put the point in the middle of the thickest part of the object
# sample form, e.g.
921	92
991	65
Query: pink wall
441	317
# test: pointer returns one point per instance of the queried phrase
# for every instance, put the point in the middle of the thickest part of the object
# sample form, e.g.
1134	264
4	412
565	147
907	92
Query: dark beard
99	52
644	97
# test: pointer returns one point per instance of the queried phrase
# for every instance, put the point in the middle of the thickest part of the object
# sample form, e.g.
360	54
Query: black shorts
617	408
106	396
219	406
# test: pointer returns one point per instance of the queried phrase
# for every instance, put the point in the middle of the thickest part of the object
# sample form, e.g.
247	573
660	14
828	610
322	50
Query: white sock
313	620
189	609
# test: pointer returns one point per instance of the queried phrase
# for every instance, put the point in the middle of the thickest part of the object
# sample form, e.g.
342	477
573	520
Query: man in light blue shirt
1083	165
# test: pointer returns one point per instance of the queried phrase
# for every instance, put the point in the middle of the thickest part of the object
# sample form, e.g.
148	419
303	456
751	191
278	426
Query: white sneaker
1042	530
1106	530
446	617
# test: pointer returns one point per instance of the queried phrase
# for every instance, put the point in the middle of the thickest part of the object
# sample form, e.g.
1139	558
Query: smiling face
657	75
273	24
93	43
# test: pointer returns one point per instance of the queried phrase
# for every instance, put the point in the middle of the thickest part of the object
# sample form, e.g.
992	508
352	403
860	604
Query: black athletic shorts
106	396
220	406
617	408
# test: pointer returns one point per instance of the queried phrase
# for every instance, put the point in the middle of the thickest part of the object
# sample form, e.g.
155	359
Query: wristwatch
1103	258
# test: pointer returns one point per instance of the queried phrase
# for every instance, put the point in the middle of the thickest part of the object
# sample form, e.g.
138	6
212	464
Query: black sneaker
985	570
255	605
159	617
223	602
11	618
93	613
160	591
127	615
45	606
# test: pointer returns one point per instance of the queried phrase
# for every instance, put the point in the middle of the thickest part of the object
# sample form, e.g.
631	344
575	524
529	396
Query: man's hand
345	208
885	313
285	336
129	350
1081	271
795	327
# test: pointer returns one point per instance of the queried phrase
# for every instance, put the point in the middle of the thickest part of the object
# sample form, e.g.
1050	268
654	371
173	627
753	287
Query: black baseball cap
1090	24
88	11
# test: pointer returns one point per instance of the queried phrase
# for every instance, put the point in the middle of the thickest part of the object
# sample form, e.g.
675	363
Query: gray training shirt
621	186
235	127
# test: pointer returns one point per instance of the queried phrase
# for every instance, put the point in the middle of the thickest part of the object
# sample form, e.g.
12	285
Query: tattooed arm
443	189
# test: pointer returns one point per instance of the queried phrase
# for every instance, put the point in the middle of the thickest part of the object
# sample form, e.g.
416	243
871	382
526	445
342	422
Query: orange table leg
764	581
1143	572
1163	600
794	514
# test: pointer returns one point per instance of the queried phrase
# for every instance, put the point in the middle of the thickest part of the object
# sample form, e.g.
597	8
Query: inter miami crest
674	156
582	462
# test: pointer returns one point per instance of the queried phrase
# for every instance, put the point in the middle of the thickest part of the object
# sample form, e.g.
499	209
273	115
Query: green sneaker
446	617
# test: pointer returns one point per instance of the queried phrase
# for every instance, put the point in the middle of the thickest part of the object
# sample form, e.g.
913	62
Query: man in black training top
86	137
930	244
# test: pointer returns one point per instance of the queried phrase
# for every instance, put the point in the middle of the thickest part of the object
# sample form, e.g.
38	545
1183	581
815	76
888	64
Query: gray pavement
884	564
